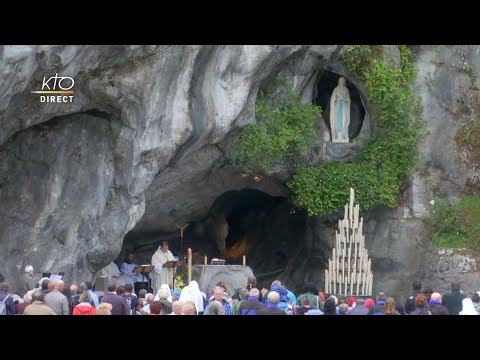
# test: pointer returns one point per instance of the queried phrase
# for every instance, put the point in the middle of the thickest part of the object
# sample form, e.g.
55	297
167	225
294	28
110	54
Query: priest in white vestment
161	275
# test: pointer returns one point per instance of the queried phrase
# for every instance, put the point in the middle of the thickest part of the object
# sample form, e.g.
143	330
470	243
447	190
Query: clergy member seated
129	277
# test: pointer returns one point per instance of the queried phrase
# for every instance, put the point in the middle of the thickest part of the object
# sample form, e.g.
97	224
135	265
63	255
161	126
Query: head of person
223	285
40	283
475	298
38	296
46	285
175	295
51	285
390	306
28	296
163	293
351	300
341	81
343	308
120	290
369	303
89	285
455	286
150	298
29	270
82	288
177	307
155	308
335	299
112	286
244	294
142	293
329	306
254	292
73	289
381	297
129	258
305	300
251	280
60	285
215	308
128	288
104	309
218	293
5	286
273	297
427	292
276	283
164	246
436	297
359	302
139	306
417	285
420	301
85	297
189	308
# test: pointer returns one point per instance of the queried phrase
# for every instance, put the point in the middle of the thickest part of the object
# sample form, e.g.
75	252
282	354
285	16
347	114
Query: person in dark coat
435	305
359	308
252	305
271	308
453	300
329	307
410	303
377	309
119	305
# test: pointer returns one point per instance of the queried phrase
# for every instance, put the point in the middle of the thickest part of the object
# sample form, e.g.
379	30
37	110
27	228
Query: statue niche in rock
340	112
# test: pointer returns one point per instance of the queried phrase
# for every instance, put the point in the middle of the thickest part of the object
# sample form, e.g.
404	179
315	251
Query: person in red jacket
84	307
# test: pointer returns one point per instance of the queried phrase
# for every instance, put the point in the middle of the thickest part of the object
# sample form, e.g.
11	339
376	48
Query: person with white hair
27	300
271	308
215	308
165	299
56	301
467	307
27	279
149	299
177	308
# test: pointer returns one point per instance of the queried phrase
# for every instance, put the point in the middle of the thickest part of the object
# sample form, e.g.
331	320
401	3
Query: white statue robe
340	112
161	275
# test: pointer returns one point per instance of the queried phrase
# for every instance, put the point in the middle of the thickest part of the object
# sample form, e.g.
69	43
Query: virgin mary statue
340	112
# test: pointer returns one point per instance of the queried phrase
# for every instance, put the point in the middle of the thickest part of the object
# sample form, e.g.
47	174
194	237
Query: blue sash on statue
340	116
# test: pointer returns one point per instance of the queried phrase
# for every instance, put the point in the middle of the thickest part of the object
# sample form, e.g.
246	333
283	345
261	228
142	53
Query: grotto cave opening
246	222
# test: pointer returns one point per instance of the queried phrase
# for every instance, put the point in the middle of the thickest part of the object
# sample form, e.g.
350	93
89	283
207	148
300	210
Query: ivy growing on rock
456	226
285	128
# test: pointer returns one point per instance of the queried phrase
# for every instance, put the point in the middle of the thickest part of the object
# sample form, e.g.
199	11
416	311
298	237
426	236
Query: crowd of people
52	297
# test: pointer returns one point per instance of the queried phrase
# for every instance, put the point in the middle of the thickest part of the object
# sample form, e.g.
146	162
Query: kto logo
58	85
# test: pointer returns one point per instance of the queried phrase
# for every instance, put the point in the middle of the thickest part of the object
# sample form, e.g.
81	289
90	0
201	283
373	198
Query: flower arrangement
180	281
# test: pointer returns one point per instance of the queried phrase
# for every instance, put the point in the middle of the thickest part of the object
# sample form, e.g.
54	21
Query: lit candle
244	260
205	260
